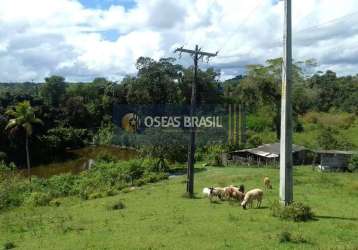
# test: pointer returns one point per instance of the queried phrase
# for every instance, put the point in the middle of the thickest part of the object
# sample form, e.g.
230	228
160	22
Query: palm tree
23	118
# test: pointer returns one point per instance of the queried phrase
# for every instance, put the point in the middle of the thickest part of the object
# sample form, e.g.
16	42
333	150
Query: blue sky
109	35
105	4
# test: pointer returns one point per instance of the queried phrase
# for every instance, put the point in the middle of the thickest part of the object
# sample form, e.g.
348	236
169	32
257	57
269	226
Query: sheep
250	196
267	183
206	192
237	195
242	188
218	192
228	191
234	192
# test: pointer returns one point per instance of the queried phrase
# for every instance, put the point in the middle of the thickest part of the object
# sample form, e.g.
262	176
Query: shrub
353	163
104	135
259	123
155	165
63	185
330	138
296	211
95	195
214	153
254	140
55	203
134	169
38	199
117	205
337	120
59	138
9	245
285	237
13	191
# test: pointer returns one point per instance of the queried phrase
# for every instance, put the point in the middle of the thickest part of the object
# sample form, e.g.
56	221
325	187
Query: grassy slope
156	216
308	138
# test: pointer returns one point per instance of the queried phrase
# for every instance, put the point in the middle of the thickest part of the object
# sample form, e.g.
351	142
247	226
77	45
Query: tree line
66	115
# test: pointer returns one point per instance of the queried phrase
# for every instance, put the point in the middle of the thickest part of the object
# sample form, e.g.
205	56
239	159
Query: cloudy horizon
84	39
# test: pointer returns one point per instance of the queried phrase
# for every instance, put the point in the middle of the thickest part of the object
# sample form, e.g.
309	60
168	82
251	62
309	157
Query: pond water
79	160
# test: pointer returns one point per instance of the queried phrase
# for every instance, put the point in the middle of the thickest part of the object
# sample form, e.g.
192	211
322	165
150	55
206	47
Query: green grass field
156	216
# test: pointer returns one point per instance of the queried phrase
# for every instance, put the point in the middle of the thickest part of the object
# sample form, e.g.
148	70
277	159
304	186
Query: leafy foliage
296	211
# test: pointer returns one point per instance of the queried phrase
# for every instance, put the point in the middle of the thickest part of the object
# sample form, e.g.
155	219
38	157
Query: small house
269	154
334	160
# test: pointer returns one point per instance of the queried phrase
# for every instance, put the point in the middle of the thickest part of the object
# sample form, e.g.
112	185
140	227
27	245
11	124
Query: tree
53	90
262	86
24	118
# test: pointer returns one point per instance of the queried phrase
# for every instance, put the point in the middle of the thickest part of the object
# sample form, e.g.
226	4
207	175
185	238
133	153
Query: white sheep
250	196
206	192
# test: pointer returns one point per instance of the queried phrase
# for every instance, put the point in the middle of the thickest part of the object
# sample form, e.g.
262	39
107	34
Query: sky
84	39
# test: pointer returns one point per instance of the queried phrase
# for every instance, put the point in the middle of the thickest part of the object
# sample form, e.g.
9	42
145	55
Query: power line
243	21
311	28
335	20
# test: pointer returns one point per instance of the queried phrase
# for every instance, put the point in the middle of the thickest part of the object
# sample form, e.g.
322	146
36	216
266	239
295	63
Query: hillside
156	216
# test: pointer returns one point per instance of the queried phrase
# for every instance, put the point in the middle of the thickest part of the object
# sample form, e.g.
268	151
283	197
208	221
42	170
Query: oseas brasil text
183	121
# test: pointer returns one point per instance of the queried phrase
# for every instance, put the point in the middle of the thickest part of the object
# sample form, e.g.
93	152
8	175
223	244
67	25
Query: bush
59	138
254	141
9	245
337	120
13	190
296	211
39	199
285	237
63	185
117	206
104	135
103	179
330	138
55	203
353	163
155	165
213	154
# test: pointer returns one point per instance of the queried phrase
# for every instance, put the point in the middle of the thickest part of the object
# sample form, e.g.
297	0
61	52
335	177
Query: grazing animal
242	188
232	192
237	195
250	196
206	192
228	191
267	183
217	192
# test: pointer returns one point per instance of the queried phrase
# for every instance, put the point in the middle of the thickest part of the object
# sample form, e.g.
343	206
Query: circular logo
130	122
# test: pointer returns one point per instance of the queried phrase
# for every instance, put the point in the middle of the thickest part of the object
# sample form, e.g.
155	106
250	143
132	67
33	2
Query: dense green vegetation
105	178
77	114
156	216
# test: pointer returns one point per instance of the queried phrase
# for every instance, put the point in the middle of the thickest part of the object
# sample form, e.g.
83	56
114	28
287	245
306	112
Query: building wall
334	161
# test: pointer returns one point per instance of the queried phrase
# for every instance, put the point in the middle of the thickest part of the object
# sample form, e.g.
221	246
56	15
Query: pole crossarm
199	52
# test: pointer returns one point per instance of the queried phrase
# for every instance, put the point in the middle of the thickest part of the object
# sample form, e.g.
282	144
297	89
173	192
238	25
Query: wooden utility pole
197	54
286	181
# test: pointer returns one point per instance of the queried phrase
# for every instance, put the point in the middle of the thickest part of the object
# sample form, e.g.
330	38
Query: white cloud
40	37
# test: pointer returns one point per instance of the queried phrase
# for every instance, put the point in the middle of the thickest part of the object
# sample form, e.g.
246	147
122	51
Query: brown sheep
267	183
